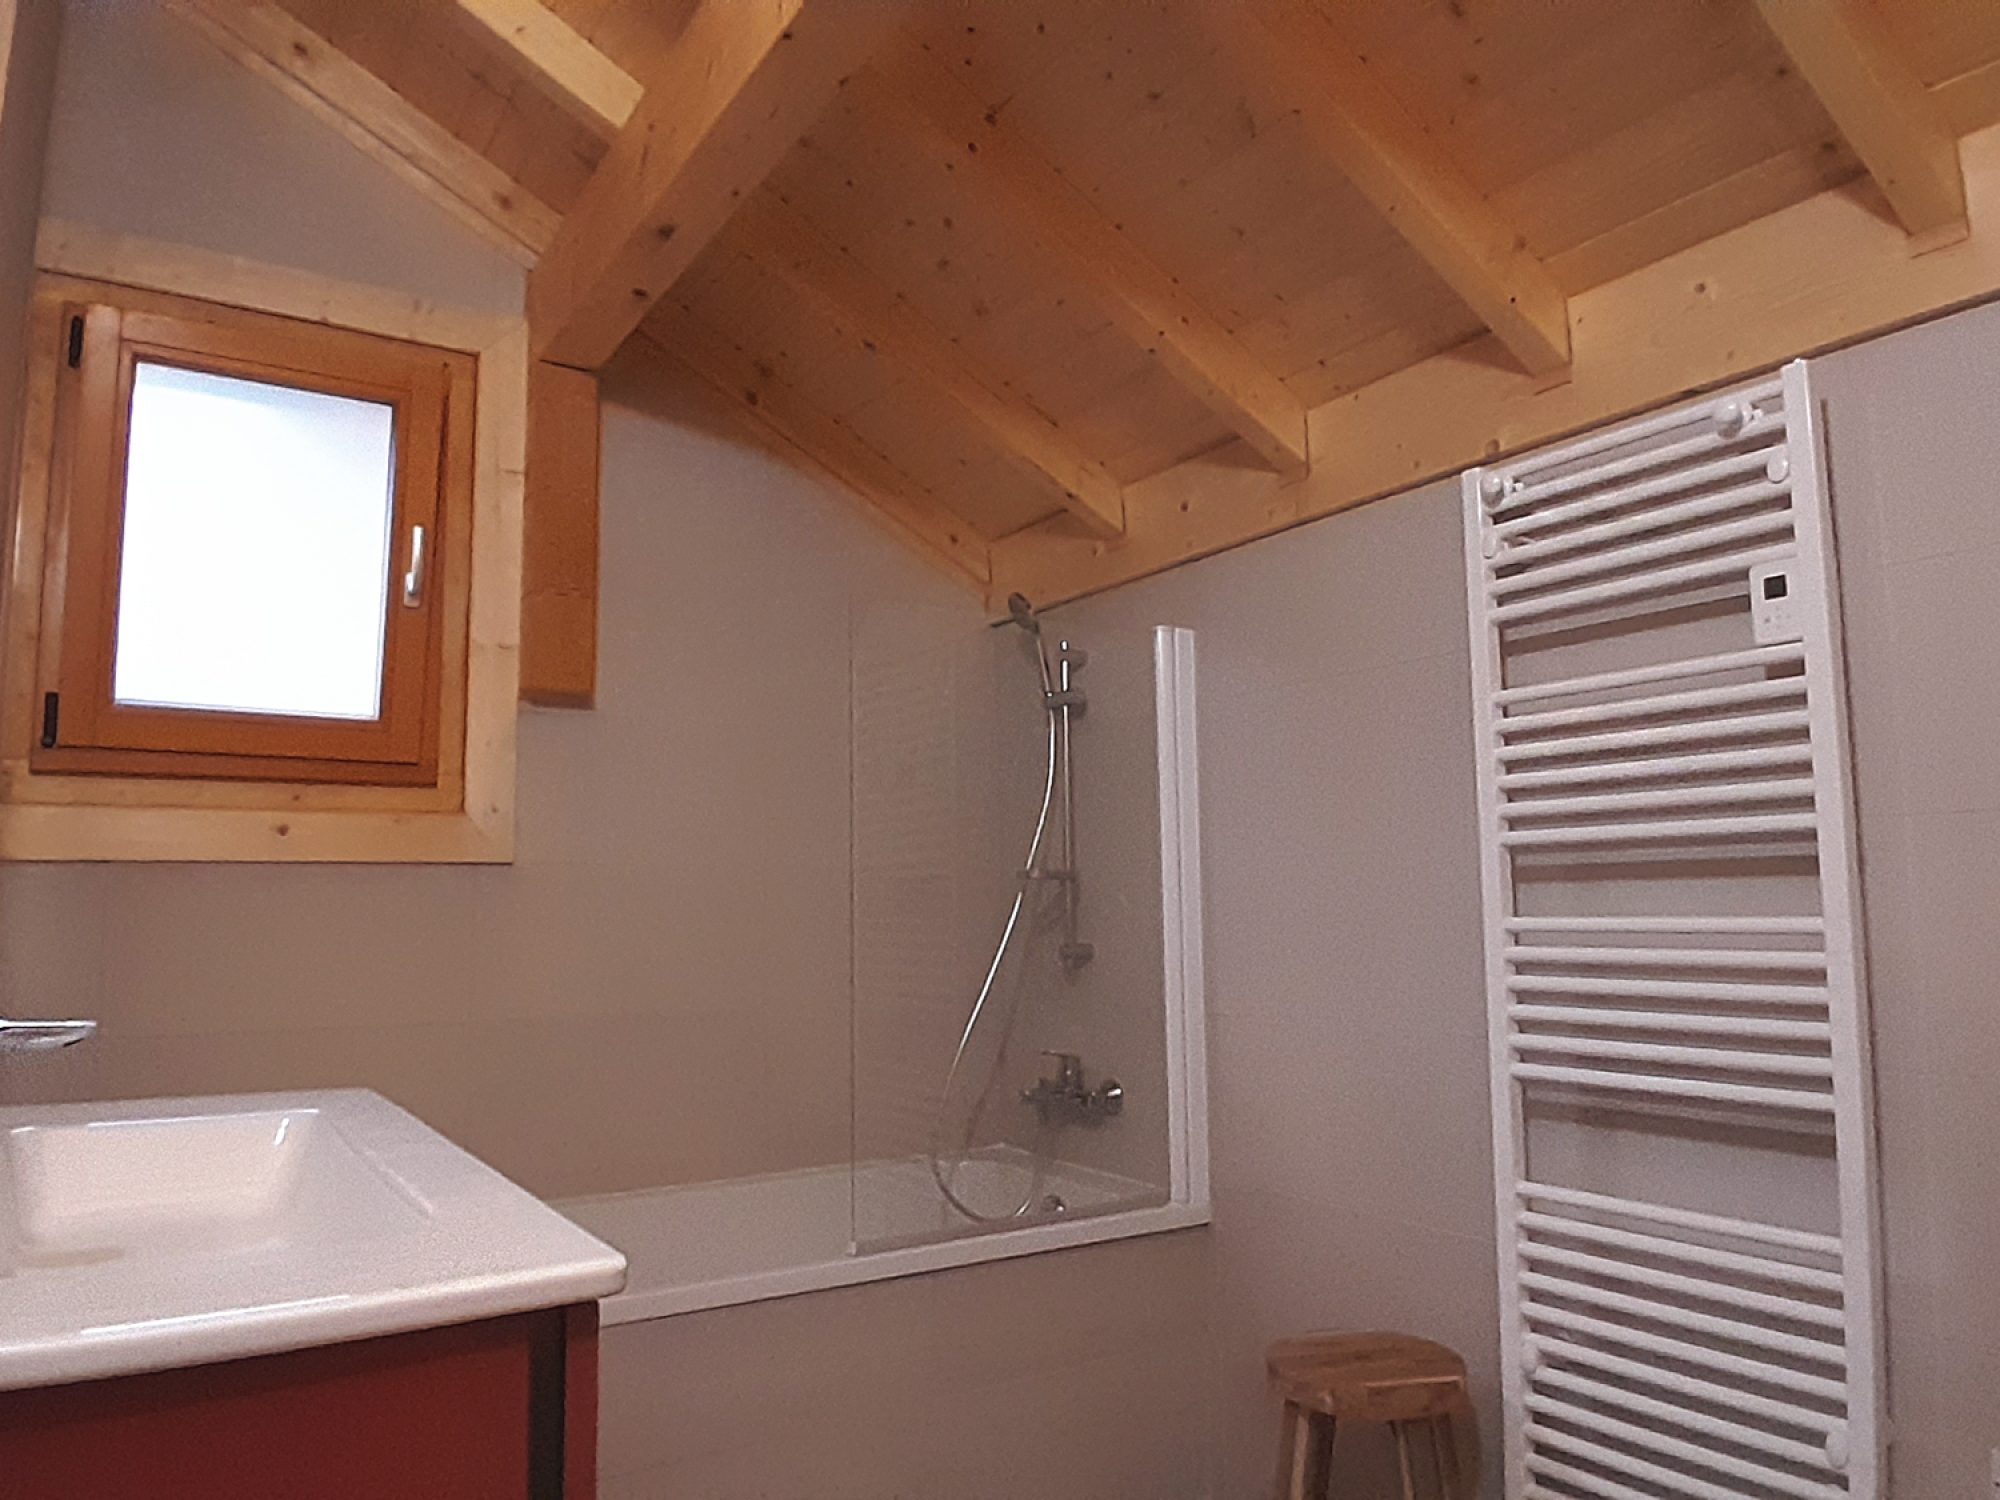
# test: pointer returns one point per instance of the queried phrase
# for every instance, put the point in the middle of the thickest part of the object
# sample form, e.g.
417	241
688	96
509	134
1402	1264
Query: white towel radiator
1682	1137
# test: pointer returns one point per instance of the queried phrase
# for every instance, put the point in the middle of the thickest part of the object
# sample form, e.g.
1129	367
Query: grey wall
600	1014
1347	1043
197	151
1916	463
1077	1375
28	46
593	1017
1347	1051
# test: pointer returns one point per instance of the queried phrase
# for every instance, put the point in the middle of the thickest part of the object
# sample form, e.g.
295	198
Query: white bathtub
720	1243
717	1244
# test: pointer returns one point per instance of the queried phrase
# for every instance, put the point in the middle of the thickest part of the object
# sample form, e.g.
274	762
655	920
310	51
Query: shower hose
946	1177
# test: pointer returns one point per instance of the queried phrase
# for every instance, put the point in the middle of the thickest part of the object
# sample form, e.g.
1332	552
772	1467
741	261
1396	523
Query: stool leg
1305	1454
1318	1476
1290	1430
1402	1432
1444	1448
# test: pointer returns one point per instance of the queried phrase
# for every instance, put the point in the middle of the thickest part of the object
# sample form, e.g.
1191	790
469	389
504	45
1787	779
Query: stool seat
1369	1377
1415	1388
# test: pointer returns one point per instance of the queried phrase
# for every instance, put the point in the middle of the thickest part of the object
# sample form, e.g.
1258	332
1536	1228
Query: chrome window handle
413	580
42	1036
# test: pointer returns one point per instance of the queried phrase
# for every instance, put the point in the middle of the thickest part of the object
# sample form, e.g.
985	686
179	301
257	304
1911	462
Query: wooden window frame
464	812
431	394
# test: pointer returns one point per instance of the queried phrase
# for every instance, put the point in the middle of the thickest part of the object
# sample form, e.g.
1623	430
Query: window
257	548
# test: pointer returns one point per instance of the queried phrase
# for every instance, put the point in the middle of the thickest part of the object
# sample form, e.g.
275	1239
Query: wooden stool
1407	1383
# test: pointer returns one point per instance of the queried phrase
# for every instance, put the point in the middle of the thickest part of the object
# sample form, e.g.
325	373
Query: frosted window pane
256	556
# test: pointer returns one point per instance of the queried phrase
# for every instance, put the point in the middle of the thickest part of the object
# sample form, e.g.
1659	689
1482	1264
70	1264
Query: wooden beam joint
905	83
1359	125
742	82
1882	108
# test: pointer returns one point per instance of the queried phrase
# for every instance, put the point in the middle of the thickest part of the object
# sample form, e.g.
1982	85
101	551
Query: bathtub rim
643	1305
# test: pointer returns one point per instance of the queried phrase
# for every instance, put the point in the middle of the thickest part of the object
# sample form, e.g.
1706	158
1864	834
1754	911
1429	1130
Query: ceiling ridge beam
826	443
310	70
815	267
1882	108
1361	127
736	89
1148	304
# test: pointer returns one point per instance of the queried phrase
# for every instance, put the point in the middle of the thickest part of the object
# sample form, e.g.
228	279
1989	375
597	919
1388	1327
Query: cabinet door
482	1411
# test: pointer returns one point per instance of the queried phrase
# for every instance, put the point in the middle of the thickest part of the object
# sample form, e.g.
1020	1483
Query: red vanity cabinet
503	1409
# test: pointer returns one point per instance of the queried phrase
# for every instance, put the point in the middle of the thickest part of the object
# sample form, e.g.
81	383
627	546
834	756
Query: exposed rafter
1041	451
1883	109
822	272
591	88
1824	272
1751	261
1144	300
828	445
268	41
1361	127
740	84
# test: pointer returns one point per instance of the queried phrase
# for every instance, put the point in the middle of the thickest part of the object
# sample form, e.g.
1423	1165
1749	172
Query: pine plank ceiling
1024	276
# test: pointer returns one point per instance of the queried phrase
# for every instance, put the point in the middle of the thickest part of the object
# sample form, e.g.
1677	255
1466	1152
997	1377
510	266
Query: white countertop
209	1229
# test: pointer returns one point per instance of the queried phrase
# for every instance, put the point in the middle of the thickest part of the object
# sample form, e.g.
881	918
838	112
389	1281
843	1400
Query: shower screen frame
1185	1201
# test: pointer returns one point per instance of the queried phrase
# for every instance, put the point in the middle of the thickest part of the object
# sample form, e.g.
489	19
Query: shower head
1023	613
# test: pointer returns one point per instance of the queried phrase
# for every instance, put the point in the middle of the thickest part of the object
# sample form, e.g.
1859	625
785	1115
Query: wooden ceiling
1068	290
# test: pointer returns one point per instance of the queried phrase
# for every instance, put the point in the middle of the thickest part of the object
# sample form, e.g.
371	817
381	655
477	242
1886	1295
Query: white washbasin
177	1184
172	1232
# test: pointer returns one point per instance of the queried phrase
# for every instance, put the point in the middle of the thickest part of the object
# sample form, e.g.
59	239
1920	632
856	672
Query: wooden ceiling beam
741	83
1818	275
821	271
1148	304
827	445
559	539
268	41
1882	107
1363	129
591	88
